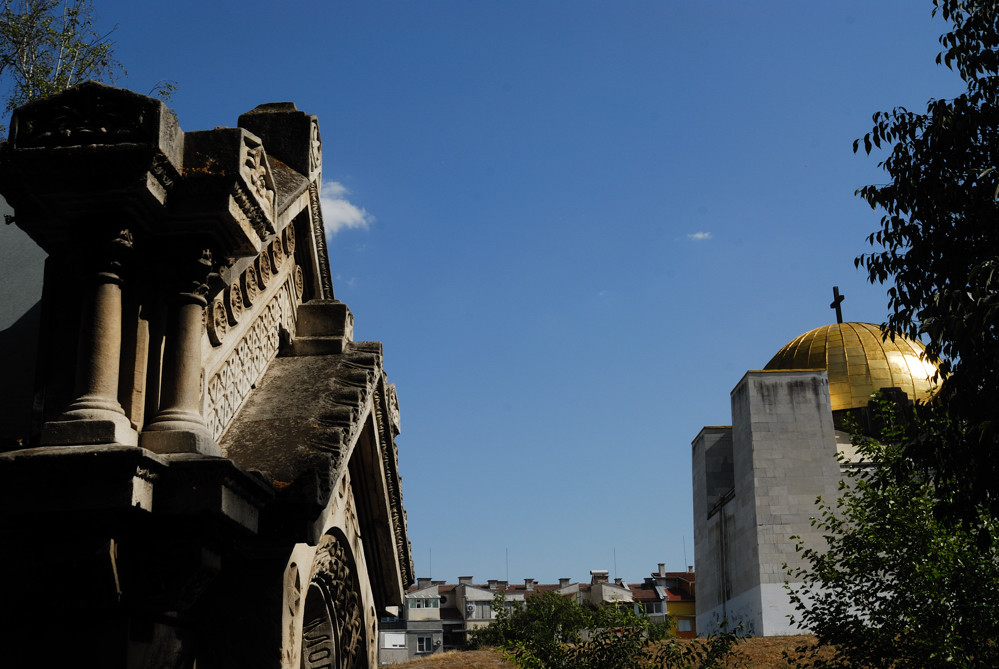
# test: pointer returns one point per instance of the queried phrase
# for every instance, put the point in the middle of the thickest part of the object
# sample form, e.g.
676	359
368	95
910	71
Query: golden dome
859	363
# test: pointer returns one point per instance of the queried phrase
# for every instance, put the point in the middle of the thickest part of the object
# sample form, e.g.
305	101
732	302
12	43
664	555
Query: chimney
528	584
662	568
690	569
464	580
619	581
598	576
422	583
492	583
564	582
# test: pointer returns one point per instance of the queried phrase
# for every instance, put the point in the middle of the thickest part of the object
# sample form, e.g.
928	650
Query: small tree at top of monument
939	241
46	46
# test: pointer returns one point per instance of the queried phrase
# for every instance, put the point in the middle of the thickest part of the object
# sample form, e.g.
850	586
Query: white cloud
338	212
699	236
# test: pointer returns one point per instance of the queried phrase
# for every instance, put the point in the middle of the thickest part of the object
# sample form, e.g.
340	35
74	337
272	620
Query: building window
480	610
653	607
424	644
394	640
424	603
683	625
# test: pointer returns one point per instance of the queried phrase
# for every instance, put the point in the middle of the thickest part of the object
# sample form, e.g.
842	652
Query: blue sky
574	225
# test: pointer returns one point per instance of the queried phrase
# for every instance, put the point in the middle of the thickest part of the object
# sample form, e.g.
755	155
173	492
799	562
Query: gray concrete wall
784	448
777	458
413	632
713	476
22	265
716	557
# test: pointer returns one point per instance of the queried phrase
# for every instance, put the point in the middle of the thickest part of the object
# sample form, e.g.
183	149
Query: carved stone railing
245	324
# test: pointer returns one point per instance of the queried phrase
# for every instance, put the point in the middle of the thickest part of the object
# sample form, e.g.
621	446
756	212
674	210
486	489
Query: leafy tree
939	247
46	46
898	585
550	631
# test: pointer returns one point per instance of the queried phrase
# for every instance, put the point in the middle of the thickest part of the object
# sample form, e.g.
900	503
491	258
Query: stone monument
210	476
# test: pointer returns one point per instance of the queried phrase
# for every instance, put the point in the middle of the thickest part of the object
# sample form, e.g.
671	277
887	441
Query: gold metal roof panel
859	362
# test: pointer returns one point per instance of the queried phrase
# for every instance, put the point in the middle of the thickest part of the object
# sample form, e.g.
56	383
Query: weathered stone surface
304	405
324	327
291	135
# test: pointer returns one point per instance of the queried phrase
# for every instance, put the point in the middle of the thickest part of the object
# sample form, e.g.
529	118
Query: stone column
96	416
179	426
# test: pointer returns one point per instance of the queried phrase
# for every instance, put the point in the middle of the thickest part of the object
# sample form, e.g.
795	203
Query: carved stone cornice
92	151
90	114
319	234
290	135
387	422
227	191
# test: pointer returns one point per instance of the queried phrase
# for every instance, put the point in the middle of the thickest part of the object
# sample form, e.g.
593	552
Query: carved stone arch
334	633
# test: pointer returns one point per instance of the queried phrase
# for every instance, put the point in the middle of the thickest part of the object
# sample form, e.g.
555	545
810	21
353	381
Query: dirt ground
457	659
759	652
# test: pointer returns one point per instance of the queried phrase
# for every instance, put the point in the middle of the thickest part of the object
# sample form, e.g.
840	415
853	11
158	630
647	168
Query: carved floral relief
256	173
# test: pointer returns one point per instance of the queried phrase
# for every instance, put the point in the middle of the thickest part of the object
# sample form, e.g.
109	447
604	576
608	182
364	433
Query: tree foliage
550	631
939	250
46	46
898	585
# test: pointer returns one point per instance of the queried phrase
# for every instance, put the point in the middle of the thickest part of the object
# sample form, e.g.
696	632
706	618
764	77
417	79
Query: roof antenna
837	301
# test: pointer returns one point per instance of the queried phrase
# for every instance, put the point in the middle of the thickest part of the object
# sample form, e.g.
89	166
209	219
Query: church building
755	482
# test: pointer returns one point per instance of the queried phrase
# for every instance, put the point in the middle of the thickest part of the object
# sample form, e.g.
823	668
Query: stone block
89	432
180	441
324	327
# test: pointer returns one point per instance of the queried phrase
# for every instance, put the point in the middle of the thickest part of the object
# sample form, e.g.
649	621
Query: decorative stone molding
264	269
229	387
319	238
217	321
288	235
315	148
393	402
233	303
227	190
387	400
250	284
276	252
333	629
299	282
96	114
257	173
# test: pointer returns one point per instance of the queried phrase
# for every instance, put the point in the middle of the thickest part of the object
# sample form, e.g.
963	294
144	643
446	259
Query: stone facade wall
783	448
